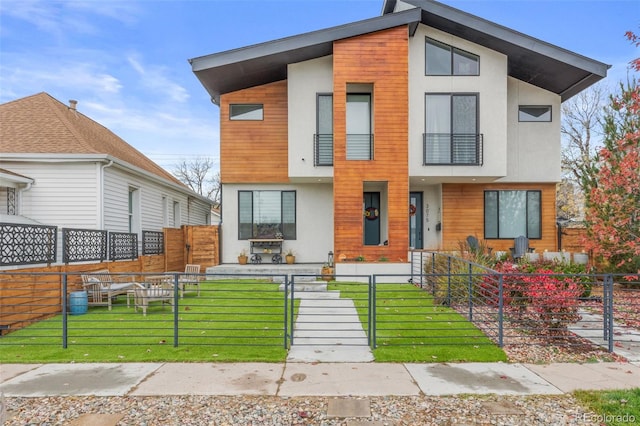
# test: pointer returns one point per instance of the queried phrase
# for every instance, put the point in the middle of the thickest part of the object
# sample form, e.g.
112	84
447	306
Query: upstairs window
246	112
442	59
534	113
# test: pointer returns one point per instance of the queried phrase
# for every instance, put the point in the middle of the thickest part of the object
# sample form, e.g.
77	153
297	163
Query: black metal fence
472	308
27	244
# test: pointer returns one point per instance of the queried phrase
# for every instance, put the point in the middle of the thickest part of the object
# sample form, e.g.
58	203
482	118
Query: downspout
101	194
20	191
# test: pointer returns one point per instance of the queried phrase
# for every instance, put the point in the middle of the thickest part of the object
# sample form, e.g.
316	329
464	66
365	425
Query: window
534	113
324	131
261	214
442	59
509	214
177	217
134	210
246	112
359	140
451	129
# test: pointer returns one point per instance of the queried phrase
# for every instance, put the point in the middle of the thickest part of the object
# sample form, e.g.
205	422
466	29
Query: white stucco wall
534	148
314	221
305	80
491	85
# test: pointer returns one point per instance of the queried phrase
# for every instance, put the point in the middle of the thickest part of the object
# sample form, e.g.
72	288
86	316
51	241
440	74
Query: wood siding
381	60
463	215
255	151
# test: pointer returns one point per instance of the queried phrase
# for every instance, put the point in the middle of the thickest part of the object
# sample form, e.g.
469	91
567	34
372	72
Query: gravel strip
270	410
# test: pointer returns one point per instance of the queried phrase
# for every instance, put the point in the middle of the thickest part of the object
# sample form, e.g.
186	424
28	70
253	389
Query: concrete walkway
314	379
626	340
327	328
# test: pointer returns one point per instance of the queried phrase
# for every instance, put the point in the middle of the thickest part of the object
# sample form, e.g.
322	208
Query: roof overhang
529	59
9	179
264	63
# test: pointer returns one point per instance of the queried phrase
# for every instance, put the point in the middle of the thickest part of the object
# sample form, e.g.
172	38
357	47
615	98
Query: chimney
72	104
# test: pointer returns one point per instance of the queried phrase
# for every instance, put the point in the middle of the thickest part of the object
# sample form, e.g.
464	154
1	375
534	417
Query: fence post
65	335
500	312
470	292
608	302
286	308
176	317
372	313
293	298
448	280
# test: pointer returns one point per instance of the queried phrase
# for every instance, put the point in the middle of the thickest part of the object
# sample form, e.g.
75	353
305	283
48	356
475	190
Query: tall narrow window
134	210
324	133
359	138
177	219
451	129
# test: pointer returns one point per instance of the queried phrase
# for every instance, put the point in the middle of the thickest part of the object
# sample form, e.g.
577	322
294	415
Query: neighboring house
414	129
59	167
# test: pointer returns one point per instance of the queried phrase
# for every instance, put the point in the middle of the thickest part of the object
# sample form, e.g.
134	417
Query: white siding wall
63	194
534	148
491	85
116	193
305	80
314	221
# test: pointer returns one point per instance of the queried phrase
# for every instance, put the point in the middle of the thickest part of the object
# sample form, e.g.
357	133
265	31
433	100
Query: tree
198	175
613	202
581	129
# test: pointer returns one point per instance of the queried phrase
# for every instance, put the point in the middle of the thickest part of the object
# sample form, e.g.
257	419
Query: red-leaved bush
553	299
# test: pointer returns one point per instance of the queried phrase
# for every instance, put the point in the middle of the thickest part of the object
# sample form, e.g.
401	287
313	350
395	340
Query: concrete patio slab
598	376
78	379
479	378
9	371
212	379
340	379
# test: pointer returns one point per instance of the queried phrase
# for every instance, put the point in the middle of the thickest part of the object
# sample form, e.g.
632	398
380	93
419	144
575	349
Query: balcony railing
359	146
452	149
323	150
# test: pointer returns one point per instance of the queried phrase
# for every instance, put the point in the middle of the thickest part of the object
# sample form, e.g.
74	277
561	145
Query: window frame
287	234
237	118
452	54
548	107
526	212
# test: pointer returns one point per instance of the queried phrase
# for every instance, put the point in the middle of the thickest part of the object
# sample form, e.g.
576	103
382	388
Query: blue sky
126	61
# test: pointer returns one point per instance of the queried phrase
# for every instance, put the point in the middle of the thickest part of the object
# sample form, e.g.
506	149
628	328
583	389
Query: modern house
59	167
414	129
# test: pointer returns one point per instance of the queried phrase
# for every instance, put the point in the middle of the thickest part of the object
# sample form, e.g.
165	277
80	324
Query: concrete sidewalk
311	379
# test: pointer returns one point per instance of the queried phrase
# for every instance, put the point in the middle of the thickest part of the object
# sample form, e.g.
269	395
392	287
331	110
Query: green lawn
233	320
409	328
242	320
613	408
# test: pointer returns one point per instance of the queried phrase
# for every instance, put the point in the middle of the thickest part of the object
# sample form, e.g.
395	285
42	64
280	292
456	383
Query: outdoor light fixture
330	259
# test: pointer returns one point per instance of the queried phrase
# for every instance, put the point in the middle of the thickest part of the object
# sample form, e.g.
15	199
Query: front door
415	220
371	218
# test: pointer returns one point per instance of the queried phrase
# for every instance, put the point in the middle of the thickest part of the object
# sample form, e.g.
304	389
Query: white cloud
155	79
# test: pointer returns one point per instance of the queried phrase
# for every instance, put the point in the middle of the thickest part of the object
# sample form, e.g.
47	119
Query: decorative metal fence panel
152	242
123	245
79	245
27	244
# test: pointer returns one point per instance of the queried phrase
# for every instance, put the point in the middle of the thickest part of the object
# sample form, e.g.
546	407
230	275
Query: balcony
464	149
323	150
359	146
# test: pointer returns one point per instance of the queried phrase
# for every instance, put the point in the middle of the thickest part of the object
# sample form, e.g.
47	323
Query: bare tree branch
198	175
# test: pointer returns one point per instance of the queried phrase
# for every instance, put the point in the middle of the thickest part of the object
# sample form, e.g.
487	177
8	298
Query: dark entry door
371	218
415	220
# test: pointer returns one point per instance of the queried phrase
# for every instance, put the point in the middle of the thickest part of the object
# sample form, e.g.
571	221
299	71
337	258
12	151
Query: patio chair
102	288
191	277
474	245
157	291
520	247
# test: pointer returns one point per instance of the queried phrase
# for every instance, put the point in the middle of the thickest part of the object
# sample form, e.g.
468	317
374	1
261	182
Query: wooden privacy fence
26	294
